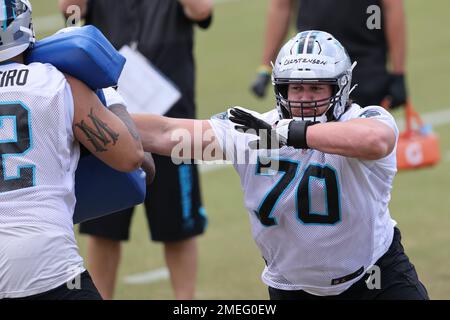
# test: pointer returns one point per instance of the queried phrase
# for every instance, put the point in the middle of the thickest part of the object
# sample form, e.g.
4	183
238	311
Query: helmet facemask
306	110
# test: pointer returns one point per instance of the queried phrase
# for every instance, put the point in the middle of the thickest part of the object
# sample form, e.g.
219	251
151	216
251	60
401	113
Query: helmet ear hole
283	90
335	89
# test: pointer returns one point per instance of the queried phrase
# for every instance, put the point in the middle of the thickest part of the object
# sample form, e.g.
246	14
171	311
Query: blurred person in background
162	31
371	30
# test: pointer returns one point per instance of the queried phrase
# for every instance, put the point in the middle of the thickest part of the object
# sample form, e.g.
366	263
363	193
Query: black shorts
173	207
72	290
399	281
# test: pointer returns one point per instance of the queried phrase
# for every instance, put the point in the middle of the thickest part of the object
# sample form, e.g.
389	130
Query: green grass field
227	56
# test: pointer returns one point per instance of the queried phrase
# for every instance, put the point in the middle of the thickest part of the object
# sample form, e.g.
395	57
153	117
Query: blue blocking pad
87	55
101	190
84	53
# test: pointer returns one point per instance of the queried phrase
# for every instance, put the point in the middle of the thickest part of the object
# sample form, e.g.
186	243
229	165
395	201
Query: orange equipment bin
417	146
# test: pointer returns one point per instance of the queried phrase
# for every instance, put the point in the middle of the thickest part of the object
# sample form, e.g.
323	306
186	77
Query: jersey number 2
15	145
289	169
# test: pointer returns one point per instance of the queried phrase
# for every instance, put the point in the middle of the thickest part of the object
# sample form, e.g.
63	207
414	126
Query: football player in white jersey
44	115
316	173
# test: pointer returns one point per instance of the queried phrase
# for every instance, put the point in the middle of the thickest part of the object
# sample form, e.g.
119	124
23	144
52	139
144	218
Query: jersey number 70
289	169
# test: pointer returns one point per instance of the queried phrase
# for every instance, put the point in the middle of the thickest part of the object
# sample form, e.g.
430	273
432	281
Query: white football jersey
38	156
320	220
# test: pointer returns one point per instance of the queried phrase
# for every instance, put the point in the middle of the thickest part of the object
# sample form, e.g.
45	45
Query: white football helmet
16	28
313	57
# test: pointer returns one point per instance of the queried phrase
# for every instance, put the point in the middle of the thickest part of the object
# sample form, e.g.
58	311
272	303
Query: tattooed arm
121	112
102	132
148	165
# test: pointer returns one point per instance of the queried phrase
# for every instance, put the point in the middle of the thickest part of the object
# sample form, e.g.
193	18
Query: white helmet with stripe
313	57
16	28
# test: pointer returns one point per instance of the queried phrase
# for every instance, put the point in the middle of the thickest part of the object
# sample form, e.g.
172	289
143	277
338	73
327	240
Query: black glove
286	132
259	86
249	123
397	94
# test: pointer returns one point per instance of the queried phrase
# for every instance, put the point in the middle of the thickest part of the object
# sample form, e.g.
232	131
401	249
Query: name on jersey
13	77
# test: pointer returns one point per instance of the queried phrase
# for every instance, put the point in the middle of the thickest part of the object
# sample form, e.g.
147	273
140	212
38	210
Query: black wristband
297	134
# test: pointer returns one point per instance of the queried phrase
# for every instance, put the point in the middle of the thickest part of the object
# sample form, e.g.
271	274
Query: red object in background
417	145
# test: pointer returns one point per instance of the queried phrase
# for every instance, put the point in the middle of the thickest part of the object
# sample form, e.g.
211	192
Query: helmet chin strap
353	88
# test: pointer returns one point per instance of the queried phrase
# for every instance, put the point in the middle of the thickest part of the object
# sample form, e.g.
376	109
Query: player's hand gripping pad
87	55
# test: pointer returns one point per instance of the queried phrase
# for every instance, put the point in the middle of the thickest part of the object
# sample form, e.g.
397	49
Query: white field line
147	277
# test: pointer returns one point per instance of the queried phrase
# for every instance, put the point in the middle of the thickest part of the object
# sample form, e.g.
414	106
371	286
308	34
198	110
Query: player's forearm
101	131
278	19
178	138
361	138
395	31
65	4
121	112
155	133
108	139
197	10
